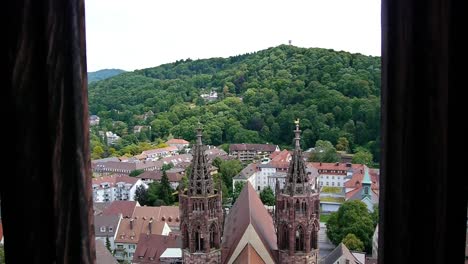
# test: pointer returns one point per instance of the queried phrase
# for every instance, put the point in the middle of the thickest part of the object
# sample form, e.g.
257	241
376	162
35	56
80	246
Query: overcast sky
136	34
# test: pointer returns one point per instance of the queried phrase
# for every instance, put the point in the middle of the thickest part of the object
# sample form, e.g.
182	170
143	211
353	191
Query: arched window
284	237
185	236
213	236
299	239
298	206
313	238
198	240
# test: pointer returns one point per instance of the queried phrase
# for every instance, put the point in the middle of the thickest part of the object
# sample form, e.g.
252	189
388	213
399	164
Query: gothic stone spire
297	181
200	182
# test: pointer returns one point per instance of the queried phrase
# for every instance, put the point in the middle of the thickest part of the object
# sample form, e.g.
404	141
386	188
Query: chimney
337	164
131	223
150	224
348	164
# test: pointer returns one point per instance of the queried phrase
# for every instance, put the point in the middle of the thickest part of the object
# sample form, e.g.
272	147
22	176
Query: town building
178	143
115	187
105	228
249	152
124	208
363	186
154	248
341	254
94	120
248	174
156	154
129	233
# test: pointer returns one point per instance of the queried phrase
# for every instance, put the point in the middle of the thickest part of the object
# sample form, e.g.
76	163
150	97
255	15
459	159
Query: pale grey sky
136	34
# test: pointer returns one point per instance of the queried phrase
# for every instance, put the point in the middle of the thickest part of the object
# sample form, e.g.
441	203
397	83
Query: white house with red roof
178	143
115	187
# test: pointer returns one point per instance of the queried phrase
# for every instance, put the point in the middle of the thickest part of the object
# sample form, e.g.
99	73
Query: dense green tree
184	182
108	244
267	196
165	190
352	217
217	162
228	169
343	144
324	152
97	152
141	195
135	173
238	186
353	243
167	166
363	157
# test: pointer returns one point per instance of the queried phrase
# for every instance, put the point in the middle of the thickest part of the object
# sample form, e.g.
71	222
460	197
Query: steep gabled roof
177	141
249	255
151	247
103	256
340	250
248	222
125	208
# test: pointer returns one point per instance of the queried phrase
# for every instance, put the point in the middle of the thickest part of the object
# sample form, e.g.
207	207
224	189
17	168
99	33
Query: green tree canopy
343	144
335	94
351	218
324	152
238	186
353	243
363	157
135	173
228	169
267	196
141	195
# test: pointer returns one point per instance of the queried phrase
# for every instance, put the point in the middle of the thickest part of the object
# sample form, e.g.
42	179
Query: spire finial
298	134
199	134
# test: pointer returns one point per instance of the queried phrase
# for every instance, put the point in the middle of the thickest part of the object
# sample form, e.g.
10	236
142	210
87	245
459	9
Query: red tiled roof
151	247
358	175
168	214
248	210
153	175
125	208
342	167
249	256
103	256
113	180
175	174
159	150
130	230
177	141
281	160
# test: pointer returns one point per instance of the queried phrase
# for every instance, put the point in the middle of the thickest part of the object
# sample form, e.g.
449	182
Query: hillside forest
336	96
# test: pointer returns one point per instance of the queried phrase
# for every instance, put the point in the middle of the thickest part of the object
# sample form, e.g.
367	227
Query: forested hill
103	74
334	94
